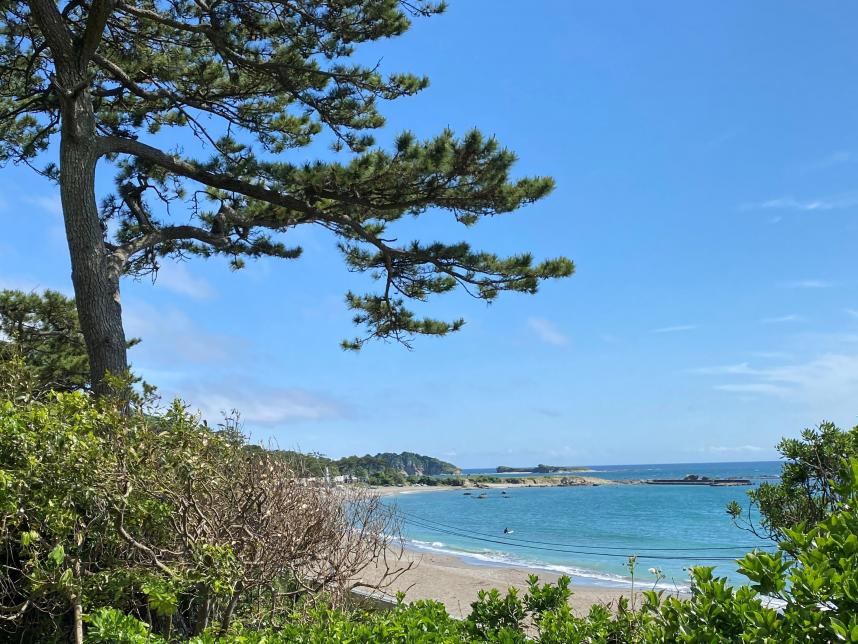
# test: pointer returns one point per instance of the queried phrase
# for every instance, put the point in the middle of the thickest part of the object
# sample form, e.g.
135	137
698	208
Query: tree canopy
253	81
43	331
809	485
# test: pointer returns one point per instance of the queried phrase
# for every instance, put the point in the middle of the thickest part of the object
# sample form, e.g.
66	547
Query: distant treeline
539	469
391	466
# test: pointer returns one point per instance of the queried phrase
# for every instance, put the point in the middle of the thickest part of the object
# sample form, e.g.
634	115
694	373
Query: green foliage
43	331
381	469
810	479
163	529
161	518
253	80
112	626
814	576
408	463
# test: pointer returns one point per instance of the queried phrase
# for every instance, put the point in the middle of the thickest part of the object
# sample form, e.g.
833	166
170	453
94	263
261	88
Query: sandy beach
456	583
542	481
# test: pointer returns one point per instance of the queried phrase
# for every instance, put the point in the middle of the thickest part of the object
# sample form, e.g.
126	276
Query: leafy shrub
157	528
165	520
808	488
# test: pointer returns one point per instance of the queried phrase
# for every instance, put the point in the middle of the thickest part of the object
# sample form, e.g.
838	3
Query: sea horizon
490	468
589	532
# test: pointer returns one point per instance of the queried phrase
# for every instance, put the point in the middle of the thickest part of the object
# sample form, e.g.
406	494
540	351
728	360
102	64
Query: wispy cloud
676	328
30	285
734	448
170	338
834	159
176	278
762	388
772	355
836	202
829	380
808	283
742	368
547	332
792	317
48	203
852	313
264	405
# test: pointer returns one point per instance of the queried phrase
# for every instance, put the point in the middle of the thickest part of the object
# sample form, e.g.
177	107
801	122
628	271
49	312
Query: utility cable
564	550
430	523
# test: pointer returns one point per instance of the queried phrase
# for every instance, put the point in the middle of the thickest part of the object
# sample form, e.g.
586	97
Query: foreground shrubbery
163	519
124	525
814	576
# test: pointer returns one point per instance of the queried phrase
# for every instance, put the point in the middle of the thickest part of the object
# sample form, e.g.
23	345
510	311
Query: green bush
156	528
808	487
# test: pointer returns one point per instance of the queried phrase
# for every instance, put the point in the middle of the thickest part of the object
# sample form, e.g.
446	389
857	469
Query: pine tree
42	330
253	80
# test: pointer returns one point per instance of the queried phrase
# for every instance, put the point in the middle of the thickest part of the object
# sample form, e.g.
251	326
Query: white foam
588	577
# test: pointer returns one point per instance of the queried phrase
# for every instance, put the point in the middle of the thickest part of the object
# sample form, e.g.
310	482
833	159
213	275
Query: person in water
507	531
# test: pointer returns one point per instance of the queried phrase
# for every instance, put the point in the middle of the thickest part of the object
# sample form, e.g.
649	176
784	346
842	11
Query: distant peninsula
383	468
539	469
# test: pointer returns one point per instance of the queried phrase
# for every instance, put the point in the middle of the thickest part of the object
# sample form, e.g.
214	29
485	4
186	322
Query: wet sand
455	583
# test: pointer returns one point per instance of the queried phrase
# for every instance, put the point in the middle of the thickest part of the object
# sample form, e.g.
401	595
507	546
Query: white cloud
792	317
808	283
742	368
852	312
30	285
736	448
176	278
171	338
547	332
827	382
261	404
675	328
772	355
835	158
48	203
755	388
788	202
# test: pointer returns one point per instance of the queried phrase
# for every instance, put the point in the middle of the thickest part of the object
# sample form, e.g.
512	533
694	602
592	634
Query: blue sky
705	158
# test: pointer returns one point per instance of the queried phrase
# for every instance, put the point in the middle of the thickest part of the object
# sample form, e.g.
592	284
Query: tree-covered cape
252	80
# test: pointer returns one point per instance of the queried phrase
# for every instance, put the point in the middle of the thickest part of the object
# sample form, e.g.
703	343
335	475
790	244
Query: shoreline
456	583
538	482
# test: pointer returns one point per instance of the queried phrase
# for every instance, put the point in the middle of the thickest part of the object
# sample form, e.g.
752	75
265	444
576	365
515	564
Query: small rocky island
539	469
694	479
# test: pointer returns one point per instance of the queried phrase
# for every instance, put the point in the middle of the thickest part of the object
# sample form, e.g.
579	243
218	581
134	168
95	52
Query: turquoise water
589	532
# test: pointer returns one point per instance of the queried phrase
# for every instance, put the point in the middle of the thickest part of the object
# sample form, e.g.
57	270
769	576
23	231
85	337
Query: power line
579	545
568	551
566	547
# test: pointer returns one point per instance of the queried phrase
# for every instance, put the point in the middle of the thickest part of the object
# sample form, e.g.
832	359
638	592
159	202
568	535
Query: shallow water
589	532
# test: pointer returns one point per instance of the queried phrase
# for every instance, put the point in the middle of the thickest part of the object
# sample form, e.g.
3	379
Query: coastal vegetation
158	517
146	525
810	485
408	463
228	125
381	469
43	330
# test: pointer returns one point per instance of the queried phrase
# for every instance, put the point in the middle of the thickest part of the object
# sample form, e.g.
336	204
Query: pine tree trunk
95	274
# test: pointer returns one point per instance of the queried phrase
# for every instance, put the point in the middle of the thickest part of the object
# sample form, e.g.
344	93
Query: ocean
589	533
